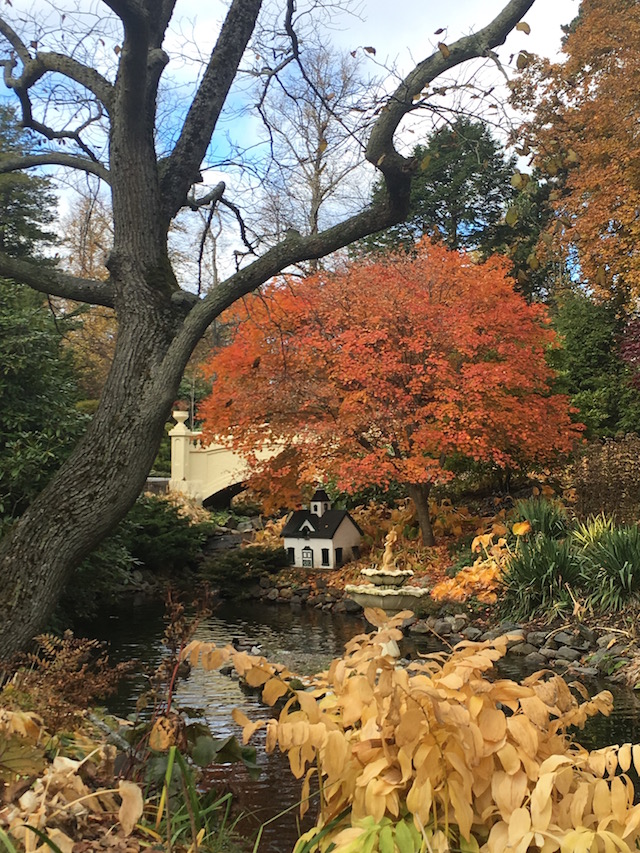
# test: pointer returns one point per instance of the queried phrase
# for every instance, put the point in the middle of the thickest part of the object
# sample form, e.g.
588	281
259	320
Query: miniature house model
321	537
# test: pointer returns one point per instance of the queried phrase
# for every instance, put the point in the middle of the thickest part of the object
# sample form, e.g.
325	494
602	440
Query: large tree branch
182	167
56	283
35	67
159	13
130	12
380	149
53	158
291	250
15	41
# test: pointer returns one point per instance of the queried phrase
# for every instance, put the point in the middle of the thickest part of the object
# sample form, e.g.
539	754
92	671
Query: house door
307	558
338	556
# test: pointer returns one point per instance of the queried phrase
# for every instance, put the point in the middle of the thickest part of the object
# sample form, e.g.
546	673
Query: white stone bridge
201	471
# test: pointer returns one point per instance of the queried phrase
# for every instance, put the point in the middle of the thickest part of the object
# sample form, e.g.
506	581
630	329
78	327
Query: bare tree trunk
419	494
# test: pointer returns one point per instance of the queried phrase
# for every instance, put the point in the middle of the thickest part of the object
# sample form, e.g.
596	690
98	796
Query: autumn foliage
386	371
440	755
584	139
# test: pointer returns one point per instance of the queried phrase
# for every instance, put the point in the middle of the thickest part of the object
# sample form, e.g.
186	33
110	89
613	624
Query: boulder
419	627
567	653
587	634
460	620
605	639
549	654
471	633
563	638
523	649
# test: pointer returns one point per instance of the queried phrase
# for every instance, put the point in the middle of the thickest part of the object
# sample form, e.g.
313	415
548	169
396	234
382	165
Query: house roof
320	495
324	526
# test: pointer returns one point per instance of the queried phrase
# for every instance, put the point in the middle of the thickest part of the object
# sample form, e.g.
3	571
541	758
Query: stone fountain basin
391	600
386	577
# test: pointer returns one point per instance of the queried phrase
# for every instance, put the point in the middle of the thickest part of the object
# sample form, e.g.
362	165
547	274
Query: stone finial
180	428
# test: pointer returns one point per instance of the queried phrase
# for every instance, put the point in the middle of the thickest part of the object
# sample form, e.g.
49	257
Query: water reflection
305	641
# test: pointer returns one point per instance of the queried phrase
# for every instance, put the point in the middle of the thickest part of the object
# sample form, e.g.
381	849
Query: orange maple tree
385	370
584	138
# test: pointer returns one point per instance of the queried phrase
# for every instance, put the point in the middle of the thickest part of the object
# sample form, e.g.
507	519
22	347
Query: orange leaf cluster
383	371
481	581
585	138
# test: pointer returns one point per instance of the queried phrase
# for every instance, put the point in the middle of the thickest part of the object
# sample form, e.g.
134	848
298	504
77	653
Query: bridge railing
200	471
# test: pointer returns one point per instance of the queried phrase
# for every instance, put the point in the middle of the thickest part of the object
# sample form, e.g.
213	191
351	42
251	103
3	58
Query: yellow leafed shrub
482	579
436	757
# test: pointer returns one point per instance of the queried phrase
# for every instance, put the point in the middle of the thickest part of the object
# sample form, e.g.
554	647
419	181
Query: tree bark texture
419	494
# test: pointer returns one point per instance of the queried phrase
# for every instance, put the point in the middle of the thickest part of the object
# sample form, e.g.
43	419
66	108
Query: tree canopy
592	363
583	137
27	201
387	370
38	421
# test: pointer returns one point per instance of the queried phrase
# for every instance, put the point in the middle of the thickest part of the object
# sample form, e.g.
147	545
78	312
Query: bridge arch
200	471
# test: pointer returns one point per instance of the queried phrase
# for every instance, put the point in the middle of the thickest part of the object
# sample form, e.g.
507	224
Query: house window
291	554
325	556
338	556
307	558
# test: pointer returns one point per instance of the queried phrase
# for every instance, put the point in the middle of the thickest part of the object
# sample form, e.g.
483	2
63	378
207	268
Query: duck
246	646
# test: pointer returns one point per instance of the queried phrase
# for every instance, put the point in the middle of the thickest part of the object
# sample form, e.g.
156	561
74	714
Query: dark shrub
546	517
540	578
606	477
162	539
614	565
233	572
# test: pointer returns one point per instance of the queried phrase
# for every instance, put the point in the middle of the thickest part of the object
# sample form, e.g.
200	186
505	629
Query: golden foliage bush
482	579
49	797
438	757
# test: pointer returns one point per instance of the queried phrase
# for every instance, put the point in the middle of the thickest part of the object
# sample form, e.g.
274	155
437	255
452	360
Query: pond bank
572	647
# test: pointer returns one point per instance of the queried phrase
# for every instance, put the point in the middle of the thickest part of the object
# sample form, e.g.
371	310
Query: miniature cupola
320	503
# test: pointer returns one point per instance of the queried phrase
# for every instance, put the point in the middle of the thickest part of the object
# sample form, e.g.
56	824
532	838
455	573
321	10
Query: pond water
305	641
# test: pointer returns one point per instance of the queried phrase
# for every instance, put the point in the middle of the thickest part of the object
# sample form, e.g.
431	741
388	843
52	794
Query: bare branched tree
101	68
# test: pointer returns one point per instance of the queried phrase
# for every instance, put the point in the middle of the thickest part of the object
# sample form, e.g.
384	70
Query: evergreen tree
459	195
39	423
590	367
38	420
27	204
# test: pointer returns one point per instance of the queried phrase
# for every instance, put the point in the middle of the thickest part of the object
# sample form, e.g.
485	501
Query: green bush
98	580
613	563
160	538
231	572
541	576
546	517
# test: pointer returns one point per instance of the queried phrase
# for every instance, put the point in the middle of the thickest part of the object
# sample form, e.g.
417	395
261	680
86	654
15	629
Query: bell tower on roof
320	503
